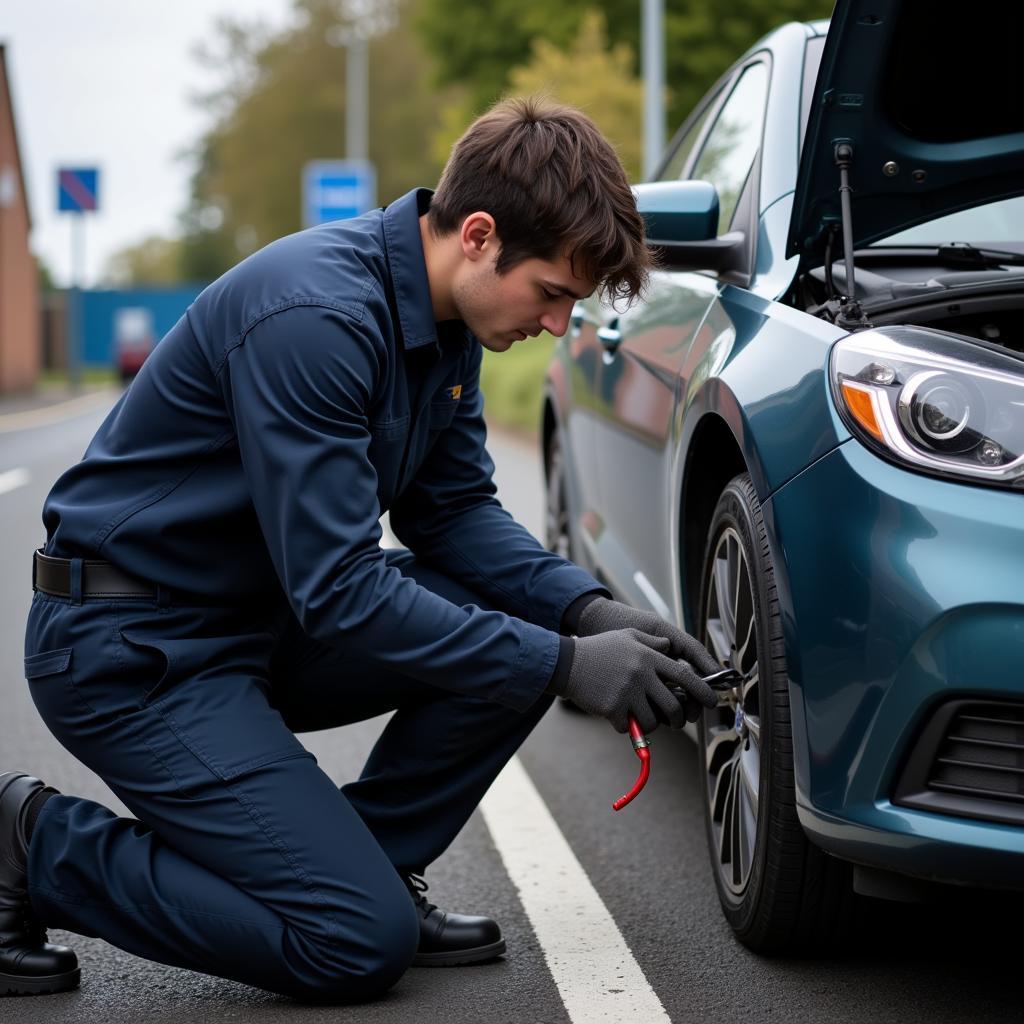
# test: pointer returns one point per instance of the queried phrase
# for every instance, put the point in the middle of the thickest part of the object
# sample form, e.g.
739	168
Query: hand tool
727	679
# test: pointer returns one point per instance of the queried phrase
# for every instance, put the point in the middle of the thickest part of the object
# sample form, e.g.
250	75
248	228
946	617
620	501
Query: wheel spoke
735	829
719	747
721	793
735	594
747	816
750	685
753	724
723	593
745	637
750	773
720	645
725	841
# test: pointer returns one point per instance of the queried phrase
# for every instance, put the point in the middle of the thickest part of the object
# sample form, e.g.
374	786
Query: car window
673	170
730	147
812	60
999	222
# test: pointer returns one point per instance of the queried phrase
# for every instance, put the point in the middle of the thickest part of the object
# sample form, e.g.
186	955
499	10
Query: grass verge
513	384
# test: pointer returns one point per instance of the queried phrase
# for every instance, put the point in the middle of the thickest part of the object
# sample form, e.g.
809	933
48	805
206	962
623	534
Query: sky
106	83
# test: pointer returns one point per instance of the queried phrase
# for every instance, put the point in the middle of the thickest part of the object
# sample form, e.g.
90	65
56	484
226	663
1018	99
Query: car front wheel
778	892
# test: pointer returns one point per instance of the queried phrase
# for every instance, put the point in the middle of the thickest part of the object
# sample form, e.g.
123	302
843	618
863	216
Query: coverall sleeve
298	388
449	516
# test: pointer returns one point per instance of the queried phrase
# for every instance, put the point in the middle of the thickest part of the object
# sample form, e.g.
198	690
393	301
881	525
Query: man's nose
556	321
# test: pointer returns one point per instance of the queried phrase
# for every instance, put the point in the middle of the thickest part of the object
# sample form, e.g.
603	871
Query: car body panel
930	606
634	433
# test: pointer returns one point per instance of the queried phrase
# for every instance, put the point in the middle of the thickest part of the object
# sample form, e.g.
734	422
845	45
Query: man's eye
550	295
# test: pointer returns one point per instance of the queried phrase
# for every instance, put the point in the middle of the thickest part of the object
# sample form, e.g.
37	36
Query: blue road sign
78	189
337	189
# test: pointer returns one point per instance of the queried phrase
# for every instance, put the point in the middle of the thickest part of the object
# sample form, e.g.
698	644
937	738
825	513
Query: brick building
19	287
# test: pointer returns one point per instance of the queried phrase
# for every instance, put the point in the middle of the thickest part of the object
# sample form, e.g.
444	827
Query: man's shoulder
340	265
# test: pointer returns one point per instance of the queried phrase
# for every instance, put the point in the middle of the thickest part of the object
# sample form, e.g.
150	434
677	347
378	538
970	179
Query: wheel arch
713	458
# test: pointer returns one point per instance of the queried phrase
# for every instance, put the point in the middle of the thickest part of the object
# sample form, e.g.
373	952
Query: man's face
537	295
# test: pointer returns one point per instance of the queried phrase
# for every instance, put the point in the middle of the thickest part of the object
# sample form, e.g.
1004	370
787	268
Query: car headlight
934	401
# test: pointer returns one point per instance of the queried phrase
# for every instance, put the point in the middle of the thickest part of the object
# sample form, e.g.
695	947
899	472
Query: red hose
643	751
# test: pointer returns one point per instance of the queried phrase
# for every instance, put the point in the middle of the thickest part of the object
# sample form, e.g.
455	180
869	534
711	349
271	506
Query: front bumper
898	592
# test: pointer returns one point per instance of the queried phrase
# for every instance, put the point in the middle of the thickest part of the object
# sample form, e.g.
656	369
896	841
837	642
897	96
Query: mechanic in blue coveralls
212	583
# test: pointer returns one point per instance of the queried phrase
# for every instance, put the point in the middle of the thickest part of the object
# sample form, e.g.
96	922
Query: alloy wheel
732	730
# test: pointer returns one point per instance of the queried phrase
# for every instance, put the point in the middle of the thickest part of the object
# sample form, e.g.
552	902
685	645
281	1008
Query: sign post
77	193
337	189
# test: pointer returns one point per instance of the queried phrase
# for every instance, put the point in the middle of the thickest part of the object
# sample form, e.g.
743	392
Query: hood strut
846	313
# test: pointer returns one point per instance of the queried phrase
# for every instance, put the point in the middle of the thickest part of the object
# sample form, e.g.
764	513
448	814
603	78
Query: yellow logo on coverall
455	393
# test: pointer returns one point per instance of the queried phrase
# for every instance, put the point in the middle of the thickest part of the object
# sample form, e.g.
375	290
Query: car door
584	366
651	349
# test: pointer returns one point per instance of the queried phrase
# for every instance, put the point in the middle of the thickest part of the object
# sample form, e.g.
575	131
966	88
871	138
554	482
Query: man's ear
479	236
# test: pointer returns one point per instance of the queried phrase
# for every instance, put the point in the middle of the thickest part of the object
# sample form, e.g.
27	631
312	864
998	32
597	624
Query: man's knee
366	954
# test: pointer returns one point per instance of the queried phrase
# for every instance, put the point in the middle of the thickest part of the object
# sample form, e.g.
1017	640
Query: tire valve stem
642	747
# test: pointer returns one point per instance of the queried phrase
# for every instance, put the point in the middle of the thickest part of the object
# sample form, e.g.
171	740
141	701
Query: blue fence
99	312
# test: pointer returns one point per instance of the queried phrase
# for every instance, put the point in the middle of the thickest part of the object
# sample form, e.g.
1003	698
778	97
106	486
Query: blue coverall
243	474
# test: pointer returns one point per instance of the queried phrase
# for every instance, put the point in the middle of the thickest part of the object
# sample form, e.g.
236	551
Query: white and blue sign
78	189
337	189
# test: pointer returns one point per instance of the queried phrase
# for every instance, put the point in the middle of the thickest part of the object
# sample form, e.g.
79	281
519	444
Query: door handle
610	338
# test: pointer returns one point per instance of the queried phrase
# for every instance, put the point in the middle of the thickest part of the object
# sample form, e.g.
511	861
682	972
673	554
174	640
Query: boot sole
20	985
458	957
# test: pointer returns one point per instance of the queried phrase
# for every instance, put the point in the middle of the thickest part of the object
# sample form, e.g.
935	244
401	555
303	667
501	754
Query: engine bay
899	287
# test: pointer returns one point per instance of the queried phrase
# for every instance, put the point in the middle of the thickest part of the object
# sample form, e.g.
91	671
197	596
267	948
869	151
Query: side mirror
681	218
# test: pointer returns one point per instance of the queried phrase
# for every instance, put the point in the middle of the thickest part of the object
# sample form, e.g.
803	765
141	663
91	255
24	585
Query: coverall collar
404	248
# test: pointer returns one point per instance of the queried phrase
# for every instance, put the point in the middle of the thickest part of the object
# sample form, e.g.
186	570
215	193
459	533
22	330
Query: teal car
806	446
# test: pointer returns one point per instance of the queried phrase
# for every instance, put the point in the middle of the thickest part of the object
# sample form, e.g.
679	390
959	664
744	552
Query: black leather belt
99	579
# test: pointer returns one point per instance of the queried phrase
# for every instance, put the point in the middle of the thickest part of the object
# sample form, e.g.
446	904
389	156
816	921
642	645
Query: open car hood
930	95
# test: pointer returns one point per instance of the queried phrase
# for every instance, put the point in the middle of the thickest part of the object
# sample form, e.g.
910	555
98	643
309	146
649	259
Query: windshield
1001	222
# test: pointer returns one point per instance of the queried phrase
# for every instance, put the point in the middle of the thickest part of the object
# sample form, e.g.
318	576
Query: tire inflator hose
724	680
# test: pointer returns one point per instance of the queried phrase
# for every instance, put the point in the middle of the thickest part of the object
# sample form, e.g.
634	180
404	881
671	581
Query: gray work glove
602	615
626	672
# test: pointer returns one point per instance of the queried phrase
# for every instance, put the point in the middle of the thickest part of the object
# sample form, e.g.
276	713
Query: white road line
13	479
53	413
597	977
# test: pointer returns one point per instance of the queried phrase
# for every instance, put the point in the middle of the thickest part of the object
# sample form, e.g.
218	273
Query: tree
283	104
154	260
598	81
586	75
476	46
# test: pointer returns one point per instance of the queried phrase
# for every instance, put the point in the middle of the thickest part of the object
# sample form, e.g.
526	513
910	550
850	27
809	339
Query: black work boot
29	965
447	940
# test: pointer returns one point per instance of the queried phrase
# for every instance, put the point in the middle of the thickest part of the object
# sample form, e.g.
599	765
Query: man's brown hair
554	186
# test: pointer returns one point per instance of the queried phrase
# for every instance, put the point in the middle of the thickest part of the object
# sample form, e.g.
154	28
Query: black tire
557	533
779	893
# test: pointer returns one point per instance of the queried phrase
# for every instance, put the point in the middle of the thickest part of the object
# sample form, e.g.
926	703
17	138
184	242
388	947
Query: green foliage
154	260
513	383
478	45
587	74
283	104
593	78
43	274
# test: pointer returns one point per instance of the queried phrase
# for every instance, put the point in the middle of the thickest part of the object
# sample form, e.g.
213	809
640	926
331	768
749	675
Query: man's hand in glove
602	615
626	672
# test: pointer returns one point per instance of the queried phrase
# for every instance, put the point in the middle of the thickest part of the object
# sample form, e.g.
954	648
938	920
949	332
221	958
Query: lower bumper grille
968	761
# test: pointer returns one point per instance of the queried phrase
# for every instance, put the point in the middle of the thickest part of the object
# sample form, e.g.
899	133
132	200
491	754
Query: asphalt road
648	864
